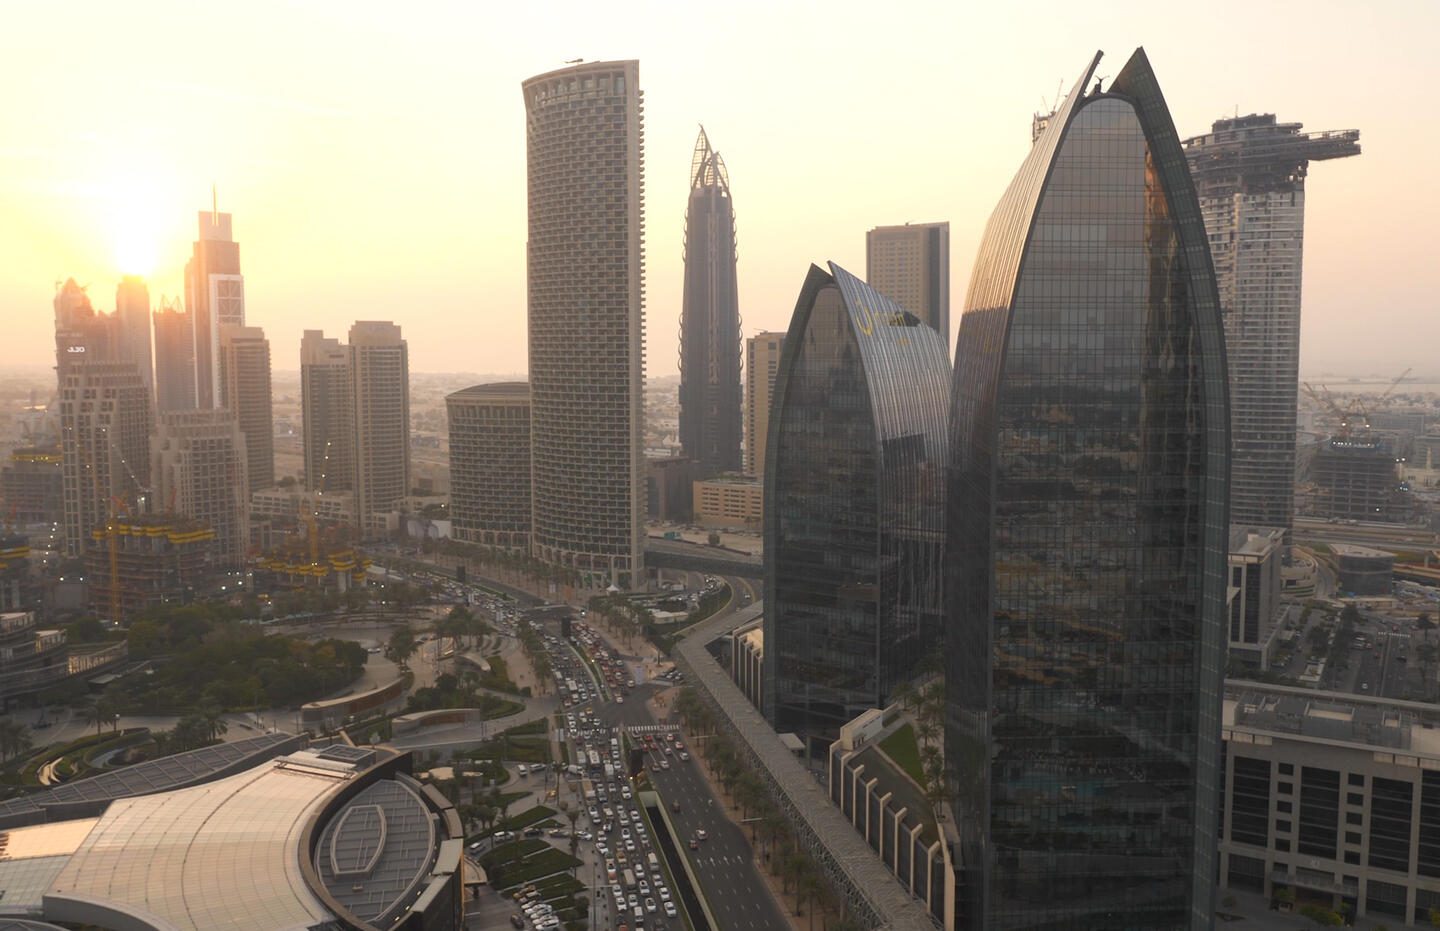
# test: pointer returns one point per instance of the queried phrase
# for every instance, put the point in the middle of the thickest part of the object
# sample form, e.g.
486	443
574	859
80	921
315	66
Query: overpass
694	557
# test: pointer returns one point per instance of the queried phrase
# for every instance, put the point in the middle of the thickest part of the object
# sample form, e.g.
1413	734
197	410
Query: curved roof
506	390
707	168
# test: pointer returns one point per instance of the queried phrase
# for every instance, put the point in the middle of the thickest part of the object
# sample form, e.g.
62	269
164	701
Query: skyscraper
81	333
585	272
762	362
1250	176
198	464
490	464
105	420
245	389
910	264
214	297
328	409
710	425
132	321
380	373
174	359
1087	532
854	506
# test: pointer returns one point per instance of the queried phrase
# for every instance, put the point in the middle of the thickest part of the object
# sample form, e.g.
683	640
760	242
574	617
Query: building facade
710	427
214	298
586	289
380	373
1356	478
1250	177
762	363
245	389
105	421
669	488
32	484
910	264
132	322
327	402
1087	532
174	359
1255	584
854	506
199	465
490	464
730	501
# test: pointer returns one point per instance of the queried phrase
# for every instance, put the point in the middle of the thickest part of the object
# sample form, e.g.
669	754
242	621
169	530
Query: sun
135	220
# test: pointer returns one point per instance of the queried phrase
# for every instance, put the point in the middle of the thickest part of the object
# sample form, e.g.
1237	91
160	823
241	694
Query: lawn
902	748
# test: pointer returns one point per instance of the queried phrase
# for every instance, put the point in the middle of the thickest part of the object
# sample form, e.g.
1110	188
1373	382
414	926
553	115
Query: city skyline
415	239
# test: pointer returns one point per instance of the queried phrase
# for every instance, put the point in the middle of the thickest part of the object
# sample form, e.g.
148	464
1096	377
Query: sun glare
133	204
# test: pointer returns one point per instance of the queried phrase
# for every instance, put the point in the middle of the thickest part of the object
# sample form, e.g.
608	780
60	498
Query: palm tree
214	725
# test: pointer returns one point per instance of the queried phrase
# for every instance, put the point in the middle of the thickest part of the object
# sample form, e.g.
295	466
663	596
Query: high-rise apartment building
245	389
490	464
585	271
910	264
854	507
214	298
105	419
174	359
380	373
1087	533
327	401
198	465
82	334
710	426
762	362
1250	176
132	323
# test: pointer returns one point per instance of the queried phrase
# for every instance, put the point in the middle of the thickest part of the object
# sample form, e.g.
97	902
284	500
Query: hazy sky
373	154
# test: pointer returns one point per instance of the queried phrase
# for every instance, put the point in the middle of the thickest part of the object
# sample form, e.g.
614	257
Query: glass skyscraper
854	506
1087	532
710	320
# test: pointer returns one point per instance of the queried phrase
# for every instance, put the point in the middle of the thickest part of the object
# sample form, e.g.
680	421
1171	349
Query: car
684	757
619	699
669	752
624	832
644	888
650	906
675	806
664	893
670	910
694	843
664	764
700	833
632	899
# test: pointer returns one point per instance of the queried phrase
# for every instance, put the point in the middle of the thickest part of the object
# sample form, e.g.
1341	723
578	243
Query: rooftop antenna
214	204
573	61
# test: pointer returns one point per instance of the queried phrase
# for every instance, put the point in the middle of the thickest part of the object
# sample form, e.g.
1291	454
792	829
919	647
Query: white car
650	906
670	909
664	894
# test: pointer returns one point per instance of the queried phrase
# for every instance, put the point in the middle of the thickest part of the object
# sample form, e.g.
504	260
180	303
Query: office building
910	264
132	324
245	389
1253	602
1249	173
174	359
585	271
380	374
1335	798
490	464
105	420
710	426
854	507
214	298
199	466
1087	532
730	501
1364	571
328	410
762	362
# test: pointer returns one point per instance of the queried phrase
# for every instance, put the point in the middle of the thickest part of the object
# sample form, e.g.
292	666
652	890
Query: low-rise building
747	659
1254	593
1364	571
730	501
30	659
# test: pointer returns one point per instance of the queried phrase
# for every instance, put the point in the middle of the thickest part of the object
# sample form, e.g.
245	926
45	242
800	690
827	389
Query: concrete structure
1249	174
331	713
198	463
331	507
1355	479
380	374
710	425
762	363
1364	571
910	264
174	359
132	323
747	660
854	499
17	590
327	404
214	298
105	420
32	484
31	659
490	464
730	501
1087	532
1335	797
1254	605
245	389
157	559
586	292
669	488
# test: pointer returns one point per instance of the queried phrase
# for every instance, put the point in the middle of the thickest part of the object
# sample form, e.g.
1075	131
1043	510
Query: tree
1322	916
401	646
214	726
15	738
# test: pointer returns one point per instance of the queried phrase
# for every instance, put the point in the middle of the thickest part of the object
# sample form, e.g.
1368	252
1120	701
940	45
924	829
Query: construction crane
1354	414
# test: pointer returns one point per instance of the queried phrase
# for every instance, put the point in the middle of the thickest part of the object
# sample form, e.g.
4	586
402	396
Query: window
1352	837
1284	806
1352	856
1390	807
1250	801
1282	845
1287	769
1354	798
1286	788
1357	779
1354	817
1319	811
1282	826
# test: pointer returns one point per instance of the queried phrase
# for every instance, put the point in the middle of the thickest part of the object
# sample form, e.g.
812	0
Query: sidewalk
785	902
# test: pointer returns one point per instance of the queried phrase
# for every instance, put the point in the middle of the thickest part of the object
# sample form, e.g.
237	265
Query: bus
594	761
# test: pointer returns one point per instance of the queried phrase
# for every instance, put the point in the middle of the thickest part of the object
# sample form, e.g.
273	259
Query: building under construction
1355	479
133	563
16	591
337	569
1249	173
32	487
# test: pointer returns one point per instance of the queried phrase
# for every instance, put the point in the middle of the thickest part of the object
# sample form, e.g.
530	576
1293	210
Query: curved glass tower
710	320
854	506
1086	524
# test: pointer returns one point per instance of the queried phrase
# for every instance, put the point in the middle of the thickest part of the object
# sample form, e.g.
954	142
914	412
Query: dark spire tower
1087	532
710	423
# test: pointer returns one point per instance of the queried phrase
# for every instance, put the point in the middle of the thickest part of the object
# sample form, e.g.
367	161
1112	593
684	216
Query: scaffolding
1255	154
